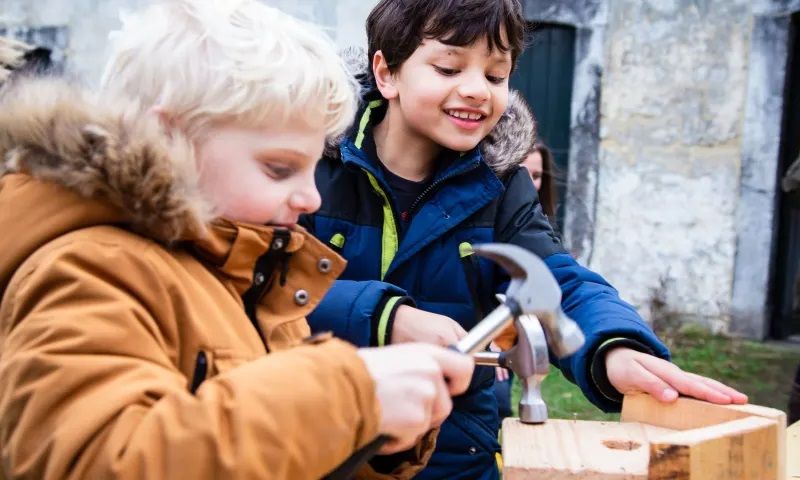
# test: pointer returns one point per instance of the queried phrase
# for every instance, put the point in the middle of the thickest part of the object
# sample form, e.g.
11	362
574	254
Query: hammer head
536	291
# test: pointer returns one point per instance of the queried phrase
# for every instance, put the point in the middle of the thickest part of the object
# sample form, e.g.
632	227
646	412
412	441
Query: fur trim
512	139
12	56
504	149
103	149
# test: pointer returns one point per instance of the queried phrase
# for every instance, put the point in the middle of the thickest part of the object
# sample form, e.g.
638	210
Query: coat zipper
263	277
433	186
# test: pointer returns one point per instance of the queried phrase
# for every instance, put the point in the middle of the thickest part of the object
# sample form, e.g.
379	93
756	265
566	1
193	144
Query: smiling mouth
468	116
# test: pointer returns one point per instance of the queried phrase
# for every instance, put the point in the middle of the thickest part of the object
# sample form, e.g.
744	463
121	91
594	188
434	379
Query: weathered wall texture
88	23
671	127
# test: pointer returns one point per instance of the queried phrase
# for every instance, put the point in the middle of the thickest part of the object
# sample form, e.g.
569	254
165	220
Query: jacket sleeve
353	309
89	386
356	310
586	297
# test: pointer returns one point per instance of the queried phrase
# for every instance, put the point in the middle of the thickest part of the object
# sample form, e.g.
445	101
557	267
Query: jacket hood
12	56
70	160
504	149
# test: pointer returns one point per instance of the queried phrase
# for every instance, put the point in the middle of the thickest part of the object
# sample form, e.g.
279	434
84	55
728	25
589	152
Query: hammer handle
487	329
352	465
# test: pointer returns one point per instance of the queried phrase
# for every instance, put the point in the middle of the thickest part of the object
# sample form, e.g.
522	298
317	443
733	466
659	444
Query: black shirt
404	192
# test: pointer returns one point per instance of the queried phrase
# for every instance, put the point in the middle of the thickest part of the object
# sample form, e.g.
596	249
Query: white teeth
464	115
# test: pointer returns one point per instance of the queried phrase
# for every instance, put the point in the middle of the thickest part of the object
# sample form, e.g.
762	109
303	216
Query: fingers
418	419
642	379
687	384
442	404
501	374
735	395
456	367
459	331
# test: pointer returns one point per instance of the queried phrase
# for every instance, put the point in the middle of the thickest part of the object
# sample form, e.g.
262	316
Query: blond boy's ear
383	76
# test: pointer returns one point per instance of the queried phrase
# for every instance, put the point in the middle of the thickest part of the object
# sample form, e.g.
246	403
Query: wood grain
561	449
688	439
793	451
744	449
688	413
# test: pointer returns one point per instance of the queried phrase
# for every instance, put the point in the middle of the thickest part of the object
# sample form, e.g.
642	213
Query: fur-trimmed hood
104	150
12	56
70	160
504	149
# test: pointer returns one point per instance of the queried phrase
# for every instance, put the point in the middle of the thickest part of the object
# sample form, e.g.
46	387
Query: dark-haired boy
409	191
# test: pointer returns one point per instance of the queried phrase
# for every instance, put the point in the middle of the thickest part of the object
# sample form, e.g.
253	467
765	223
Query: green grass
763	371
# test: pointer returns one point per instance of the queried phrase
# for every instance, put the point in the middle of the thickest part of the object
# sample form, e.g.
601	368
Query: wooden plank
744	449
561	449
688	413
793	451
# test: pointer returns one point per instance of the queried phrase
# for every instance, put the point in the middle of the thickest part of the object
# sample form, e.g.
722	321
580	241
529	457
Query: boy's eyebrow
499	57
290	154
452	49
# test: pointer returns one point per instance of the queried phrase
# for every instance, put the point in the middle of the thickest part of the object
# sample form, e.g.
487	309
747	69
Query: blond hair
205	61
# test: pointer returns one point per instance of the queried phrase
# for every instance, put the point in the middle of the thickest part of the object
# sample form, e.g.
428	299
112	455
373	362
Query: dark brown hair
398	27
548	193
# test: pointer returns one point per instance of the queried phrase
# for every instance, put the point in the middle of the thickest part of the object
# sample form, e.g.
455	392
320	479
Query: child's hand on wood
415	325
630	372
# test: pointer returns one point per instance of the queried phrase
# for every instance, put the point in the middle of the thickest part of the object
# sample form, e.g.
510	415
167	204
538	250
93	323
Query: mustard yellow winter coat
114	280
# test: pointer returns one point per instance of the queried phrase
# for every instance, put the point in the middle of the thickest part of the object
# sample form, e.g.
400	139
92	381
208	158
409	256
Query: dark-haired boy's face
452	96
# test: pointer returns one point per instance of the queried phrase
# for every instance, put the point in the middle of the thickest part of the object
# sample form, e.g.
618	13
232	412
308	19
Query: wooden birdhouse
688	439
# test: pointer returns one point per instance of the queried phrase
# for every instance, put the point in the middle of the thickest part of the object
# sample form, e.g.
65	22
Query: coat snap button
473	450
277	244
259	278
324	265
301	297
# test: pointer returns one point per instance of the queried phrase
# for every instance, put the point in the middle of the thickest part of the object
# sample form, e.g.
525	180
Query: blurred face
451	96
261	175
533	163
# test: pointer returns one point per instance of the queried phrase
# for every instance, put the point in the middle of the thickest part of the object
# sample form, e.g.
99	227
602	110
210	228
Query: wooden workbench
688	439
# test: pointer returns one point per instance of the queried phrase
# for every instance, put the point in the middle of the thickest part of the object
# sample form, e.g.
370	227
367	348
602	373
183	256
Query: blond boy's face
261	175
453	96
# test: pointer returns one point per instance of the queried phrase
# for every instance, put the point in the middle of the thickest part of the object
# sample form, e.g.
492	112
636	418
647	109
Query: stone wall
671	126
86	24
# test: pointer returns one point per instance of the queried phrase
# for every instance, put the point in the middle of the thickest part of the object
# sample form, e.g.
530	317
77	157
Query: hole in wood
622	444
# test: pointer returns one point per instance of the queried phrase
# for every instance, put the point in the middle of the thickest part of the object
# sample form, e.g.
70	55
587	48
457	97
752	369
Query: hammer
539	321
532	293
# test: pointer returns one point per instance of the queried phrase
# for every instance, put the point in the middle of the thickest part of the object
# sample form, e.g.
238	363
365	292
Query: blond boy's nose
306	200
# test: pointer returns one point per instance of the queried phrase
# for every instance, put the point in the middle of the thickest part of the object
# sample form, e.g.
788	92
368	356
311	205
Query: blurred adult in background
542	168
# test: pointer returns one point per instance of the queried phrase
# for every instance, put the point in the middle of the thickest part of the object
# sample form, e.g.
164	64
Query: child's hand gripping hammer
533	291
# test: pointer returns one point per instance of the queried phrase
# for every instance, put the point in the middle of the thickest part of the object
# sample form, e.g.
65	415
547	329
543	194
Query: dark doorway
544	76
786	284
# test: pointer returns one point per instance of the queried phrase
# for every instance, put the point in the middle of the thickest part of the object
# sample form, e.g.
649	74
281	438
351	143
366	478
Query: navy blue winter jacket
467	204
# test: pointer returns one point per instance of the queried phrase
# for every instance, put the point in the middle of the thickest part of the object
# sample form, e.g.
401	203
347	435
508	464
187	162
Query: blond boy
154	284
